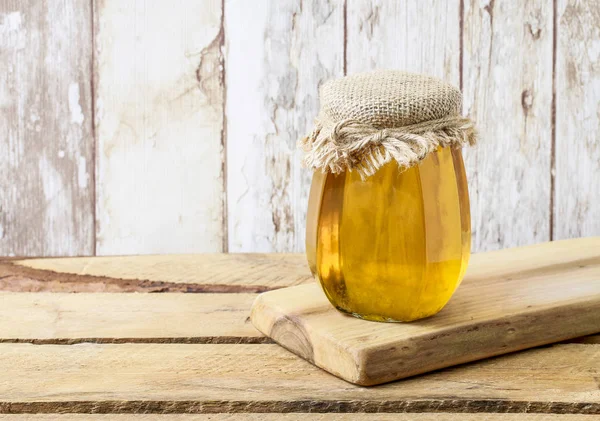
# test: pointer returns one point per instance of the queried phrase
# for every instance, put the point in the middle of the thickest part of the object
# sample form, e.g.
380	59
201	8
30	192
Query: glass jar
395	246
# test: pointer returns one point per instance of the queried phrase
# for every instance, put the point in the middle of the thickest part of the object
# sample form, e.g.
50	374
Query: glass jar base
382	319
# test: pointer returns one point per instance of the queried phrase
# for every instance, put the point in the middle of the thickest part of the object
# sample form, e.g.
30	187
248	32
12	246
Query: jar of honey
388	225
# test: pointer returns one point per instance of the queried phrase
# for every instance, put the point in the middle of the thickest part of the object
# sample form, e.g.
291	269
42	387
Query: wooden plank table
188	352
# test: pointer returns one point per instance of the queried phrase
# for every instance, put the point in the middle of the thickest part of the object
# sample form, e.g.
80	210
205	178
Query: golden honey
393	247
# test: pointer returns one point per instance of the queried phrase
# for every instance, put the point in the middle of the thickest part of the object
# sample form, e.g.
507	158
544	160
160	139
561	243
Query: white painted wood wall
138	127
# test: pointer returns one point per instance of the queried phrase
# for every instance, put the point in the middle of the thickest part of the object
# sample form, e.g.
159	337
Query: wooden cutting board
509	300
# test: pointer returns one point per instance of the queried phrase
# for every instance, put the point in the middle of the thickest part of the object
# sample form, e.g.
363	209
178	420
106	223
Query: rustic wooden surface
179	353
159	117
176	123
46	142
59	318
384	34
191	378
178	273
300	417
276	59
509	43
577	183
488	315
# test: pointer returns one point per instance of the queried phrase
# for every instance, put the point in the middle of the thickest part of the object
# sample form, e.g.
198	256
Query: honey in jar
389	240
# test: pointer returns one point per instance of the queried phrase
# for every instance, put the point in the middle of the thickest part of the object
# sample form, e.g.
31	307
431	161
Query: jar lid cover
368	119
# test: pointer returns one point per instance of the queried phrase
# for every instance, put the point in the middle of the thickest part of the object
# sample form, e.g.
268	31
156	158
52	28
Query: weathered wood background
169	127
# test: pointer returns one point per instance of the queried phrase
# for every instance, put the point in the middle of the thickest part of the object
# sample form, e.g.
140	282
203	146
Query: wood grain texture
174	83
59	318
156	378
577	172
159	108
488	315
418	36
46	158
507	87
55	318
277	55
166	273
297	416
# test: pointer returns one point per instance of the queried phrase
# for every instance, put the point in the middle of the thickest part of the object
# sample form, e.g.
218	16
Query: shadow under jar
393	247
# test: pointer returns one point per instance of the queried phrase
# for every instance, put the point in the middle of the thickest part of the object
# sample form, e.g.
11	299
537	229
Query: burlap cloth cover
368	119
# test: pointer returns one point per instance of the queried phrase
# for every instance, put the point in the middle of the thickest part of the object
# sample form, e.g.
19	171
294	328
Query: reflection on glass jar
393	247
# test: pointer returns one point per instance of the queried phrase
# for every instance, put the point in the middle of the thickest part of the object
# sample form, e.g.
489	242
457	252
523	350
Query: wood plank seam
223	81
307	416
345	48
94	133
553	121
449	405
12	275
199	340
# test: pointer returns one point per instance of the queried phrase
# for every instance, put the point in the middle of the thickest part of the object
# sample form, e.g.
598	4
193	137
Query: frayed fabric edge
353	146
